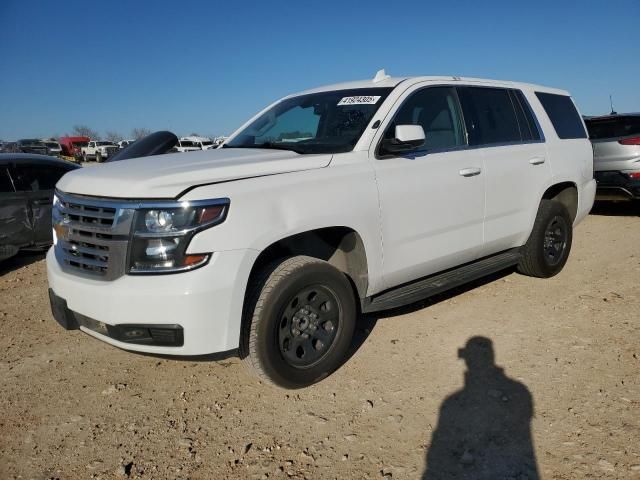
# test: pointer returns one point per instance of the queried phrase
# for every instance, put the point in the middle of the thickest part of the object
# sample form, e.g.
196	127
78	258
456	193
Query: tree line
109	136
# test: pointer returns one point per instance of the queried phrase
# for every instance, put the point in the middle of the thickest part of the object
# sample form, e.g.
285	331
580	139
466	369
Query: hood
166	176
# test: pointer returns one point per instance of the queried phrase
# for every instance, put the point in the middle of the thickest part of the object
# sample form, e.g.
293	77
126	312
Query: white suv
350	198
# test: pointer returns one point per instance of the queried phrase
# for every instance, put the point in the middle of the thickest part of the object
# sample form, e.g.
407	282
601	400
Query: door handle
470	172
537	160
42	201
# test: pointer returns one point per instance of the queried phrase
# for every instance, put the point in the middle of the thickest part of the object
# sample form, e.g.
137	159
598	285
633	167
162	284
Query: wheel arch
340	246
565	193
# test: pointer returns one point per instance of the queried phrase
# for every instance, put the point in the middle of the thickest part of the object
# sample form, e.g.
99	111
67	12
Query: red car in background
71	145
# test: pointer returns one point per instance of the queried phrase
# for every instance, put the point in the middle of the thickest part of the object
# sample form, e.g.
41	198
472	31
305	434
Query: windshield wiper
269	146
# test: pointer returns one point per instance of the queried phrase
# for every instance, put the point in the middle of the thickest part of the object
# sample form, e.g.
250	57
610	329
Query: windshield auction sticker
360	100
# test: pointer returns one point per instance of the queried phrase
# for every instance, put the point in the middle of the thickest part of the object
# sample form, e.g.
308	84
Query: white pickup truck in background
98	150
194	143
356	197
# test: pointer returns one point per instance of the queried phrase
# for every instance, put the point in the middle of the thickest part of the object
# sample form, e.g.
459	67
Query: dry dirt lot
565	403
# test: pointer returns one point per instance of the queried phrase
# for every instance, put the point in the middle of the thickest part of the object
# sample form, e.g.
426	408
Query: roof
390	82
33	158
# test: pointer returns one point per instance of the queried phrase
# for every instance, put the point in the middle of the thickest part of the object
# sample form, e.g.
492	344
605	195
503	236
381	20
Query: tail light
633	175
630	141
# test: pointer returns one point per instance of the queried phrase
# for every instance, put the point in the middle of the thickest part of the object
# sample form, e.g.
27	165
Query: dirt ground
564	404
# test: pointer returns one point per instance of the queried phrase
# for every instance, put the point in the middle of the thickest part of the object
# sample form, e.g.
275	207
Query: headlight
162	234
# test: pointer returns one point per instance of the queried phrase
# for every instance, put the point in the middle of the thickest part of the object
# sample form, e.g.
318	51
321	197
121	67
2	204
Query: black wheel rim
308	326
555	240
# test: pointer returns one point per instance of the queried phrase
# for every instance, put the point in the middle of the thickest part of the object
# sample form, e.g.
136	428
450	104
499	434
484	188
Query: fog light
134	333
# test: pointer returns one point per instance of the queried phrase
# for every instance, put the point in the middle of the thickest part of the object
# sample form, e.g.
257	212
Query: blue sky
207	66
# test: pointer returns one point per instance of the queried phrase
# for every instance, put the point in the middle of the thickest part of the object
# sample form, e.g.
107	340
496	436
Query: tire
547	249
299	319
84	157
98	157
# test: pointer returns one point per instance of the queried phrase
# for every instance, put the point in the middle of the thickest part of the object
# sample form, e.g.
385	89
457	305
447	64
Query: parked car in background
72	146
616	155
27	182
98	150
9	147
32	145
54	148
192	143
124	143
271	246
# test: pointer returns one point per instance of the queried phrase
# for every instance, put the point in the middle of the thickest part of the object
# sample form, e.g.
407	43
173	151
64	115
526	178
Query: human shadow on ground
484	429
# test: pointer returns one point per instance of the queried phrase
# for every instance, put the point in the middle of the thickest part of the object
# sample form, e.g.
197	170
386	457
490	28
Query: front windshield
325	122
187	143
100	144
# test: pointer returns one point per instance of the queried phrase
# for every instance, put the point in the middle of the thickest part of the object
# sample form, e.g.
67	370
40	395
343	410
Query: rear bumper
615	185
204	306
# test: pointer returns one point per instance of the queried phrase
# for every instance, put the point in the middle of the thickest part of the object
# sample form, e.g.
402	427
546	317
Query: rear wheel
299	322
548	247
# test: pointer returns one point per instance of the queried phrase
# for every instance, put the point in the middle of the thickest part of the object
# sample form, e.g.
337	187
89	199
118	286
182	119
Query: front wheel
549	244
299	322
98	157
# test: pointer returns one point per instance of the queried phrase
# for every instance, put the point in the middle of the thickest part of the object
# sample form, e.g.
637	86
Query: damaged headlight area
162	233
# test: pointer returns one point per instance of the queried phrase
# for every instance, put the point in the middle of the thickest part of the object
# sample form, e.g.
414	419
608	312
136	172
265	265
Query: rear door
15	225
501	125
38	182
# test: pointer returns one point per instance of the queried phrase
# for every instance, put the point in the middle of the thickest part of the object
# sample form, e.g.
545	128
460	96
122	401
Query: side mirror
406	138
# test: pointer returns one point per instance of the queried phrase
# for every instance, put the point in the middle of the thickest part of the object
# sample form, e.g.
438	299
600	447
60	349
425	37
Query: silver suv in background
616	155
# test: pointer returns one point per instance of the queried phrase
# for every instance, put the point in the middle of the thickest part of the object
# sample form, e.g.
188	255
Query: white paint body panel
415	216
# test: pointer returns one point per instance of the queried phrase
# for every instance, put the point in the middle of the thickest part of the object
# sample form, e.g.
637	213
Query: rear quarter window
563	115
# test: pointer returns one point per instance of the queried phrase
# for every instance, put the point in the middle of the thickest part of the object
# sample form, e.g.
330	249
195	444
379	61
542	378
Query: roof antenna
380	76
613	112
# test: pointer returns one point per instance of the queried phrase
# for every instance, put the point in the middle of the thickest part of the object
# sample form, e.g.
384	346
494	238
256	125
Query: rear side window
528	127
613	127
563	115
489	115
5	181
35	178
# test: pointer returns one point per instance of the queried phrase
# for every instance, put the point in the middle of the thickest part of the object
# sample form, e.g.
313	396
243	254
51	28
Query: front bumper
616	185
206	304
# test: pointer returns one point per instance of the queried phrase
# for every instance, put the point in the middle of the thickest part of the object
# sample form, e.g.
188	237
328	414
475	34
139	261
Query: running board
429	286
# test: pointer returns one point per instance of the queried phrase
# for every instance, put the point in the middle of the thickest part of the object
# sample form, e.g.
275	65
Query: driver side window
436	110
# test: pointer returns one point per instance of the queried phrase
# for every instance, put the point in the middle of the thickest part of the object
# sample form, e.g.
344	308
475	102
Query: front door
432	200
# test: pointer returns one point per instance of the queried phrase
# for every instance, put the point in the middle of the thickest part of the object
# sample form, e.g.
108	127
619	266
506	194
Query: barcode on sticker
359	100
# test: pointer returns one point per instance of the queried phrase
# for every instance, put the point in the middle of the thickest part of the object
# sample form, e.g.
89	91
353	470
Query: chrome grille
92	235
